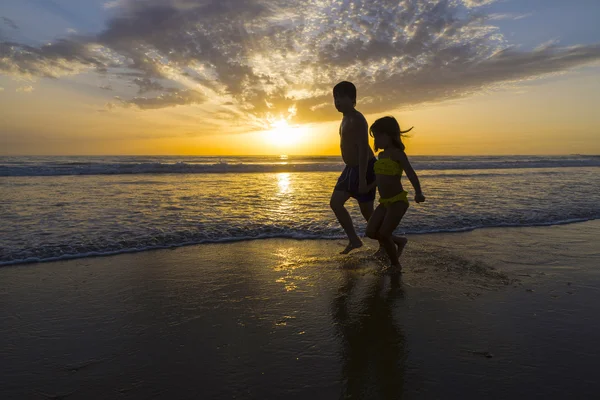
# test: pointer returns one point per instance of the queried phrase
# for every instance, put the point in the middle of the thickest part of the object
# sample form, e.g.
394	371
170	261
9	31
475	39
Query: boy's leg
338	199
366	209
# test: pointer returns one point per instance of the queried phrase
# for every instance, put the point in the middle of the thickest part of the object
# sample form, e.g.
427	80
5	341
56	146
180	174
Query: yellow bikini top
387	166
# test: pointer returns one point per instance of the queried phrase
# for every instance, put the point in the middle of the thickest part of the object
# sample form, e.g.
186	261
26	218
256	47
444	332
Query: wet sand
504	312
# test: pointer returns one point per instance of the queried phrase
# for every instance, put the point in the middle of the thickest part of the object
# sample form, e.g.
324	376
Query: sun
283	135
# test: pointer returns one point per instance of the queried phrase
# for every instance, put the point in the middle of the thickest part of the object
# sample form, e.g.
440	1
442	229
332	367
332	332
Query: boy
357	179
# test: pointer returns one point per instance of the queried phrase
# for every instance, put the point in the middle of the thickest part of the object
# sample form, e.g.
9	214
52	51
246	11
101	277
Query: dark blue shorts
348	182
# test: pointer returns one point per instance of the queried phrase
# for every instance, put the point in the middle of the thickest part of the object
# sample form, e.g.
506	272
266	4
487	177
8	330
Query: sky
239	77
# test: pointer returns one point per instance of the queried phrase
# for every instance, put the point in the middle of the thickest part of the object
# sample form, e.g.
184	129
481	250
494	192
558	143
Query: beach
180	178
494	312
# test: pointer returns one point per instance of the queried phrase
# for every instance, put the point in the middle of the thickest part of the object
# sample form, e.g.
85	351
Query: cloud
171	99
63	57
252	60
25	89
108	107
12	24
511	16
111	4
1	89
147	85
477	3
106	87
522	16
550	44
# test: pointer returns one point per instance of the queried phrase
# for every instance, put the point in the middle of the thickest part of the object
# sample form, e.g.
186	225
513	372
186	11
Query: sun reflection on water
291	267
283	181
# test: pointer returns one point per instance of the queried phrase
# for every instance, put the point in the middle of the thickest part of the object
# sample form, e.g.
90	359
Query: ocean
55	208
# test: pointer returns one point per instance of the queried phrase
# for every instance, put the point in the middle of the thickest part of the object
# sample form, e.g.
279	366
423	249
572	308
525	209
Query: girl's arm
401	157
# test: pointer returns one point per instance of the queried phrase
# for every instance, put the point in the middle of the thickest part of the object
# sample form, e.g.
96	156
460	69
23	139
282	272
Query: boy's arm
371	186
361	132
401	157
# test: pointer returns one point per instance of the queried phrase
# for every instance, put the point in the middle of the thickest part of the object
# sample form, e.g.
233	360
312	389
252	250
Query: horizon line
289	155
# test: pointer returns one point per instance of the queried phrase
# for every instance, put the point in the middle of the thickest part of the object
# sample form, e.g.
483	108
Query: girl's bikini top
387	166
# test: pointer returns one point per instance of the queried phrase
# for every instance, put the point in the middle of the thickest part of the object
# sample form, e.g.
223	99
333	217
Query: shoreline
500	312
32	261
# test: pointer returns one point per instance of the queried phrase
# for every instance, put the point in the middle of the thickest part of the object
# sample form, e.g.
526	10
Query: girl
393	201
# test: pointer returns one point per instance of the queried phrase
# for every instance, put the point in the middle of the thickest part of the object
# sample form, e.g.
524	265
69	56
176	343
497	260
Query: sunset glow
472	76
284	136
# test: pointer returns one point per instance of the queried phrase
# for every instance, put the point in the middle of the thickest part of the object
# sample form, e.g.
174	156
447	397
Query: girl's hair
389	126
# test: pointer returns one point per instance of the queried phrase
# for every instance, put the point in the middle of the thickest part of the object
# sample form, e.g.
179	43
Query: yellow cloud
25	89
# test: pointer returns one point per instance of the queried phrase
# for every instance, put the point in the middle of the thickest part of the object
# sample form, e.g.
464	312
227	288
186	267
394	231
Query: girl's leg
392	218
400	243
375	221
366	209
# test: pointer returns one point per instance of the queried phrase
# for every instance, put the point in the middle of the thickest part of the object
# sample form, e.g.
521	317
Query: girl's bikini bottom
402	196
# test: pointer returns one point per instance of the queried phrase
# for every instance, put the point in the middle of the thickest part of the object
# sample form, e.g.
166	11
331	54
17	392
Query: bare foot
380	253
401	243
392	269
351	246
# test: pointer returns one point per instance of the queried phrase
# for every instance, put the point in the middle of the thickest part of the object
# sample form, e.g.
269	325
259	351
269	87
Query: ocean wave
161	168
132	166
57	253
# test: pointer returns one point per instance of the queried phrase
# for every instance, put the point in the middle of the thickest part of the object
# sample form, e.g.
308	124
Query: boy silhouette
358	178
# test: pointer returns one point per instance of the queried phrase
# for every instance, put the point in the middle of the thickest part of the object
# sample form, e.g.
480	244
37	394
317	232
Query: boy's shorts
348	182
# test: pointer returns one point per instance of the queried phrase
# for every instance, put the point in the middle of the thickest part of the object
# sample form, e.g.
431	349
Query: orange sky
553	116
473	77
